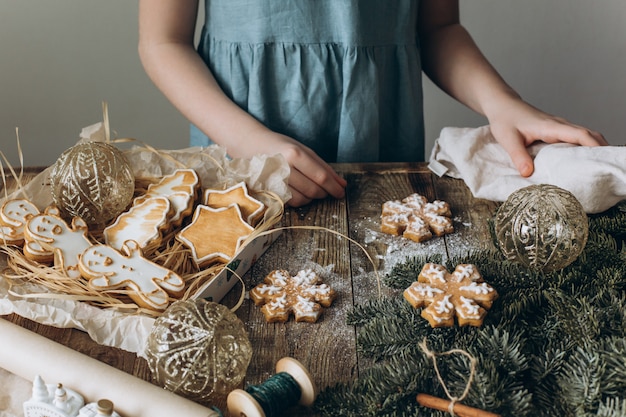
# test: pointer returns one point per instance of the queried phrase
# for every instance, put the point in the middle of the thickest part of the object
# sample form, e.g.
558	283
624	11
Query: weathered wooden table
327	348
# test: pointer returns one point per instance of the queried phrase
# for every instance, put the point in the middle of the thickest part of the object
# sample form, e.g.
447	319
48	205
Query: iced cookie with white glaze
302	295
47	233
147	283
443	296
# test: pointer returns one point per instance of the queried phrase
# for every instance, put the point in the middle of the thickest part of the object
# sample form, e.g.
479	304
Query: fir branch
388	336
612	407
402	275
612	221
576	316
502	348
613	353
543	370
553	344
380	307
581	381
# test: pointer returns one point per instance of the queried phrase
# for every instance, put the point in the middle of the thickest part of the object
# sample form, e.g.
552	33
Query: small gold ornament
542	226
198	349
92	180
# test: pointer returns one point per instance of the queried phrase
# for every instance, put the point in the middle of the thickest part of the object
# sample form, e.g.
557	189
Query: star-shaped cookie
215	234
251	208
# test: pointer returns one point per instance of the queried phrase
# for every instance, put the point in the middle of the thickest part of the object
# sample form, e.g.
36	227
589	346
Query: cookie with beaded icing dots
302	295
13	217
443	295
48	233
415	218
148	284
215	234
251	209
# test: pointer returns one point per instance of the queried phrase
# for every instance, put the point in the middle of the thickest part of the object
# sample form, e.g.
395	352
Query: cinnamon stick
459	409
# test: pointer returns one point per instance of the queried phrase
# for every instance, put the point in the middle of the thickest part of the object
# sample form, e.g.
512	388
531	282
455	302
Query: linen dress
341	76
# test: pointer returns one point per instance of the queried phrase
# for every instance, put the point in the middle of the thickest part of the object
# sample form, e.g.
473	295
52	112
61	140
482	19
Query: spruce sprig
553	344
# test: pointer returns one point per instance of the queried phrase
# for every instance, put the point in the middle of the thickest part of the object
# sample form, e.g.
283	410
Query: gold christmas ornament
542	226
92	180
198	349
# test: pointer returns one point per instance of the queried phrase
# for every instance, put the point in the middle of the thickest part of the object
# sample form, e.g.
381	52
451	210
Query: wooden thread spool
247	403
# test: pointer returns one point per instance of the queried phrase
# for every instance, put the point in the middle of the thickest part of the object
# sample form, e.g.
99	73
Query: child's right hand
167	51
310	178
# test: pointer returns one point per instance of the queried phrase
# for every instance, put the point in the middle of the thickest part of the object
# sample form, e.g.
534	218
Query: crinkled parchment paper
110	327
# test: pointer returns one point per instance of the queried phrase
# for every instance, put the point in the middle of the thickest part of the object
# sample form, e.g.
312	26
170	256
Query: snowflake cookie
462	293
281	294
415	218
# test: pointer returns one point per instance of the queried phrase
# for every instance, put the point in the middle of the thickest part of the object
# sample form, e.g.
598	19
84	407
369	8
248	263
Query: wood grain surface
327	348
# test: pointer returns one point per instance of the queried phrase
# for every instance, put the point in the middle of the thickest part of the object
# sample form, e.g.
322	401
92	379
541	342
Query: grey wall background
60	59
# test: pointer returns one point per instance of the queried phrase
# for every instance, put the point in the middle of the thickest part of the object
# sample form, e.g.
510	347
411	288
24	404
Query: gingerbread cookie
181	188
47	233
145	223
302	295
215	234
13	217
149	284
251	209
462	293
415	218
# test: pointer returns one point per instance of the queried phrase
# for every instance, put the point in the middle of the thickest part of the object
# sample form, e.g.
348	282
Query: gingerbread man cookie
149	284
13	217
215	235
462	293
415	218
48	233
251	209
302	295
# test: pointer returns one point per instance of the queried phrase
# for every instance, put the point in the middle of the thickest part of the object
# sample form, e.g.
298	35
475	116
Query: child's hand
311	178
517	125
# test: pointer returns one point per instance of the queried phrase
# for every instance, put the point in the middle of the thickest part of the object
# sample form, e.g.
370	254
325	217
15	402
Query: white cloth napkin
595	175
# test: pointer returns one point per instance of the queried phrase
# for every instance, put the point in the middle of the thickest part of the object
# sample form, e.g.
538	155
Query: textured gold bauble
198	349
542	226
92	180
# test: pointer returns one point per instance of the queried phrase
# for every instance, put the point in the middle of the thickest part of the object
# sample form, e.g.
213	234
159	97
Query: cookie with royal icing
415	218
215	234
47	233
146	283
182	188
13	217
145	222
251	209
302	295
444	296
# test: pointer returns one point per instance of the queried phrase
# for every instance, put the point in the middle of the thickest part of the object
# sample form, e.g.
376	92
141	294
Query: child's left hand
517	125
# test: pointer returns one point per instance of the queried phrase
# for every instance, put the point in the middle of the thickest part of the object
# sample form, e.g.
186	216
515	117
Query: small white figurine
49	400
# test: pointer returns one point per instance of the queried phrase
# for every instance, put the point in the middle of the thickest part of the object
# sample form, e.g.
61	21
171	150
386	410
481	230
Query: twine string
433	356
279	392
325	229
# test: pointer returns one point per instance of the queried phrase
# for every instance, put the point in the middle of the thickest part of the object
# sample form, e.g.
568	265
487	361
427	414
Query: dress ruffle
354	96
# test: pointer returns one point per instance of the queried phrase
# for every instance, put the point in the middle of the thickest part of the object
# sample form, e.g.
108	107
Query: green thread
279	392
